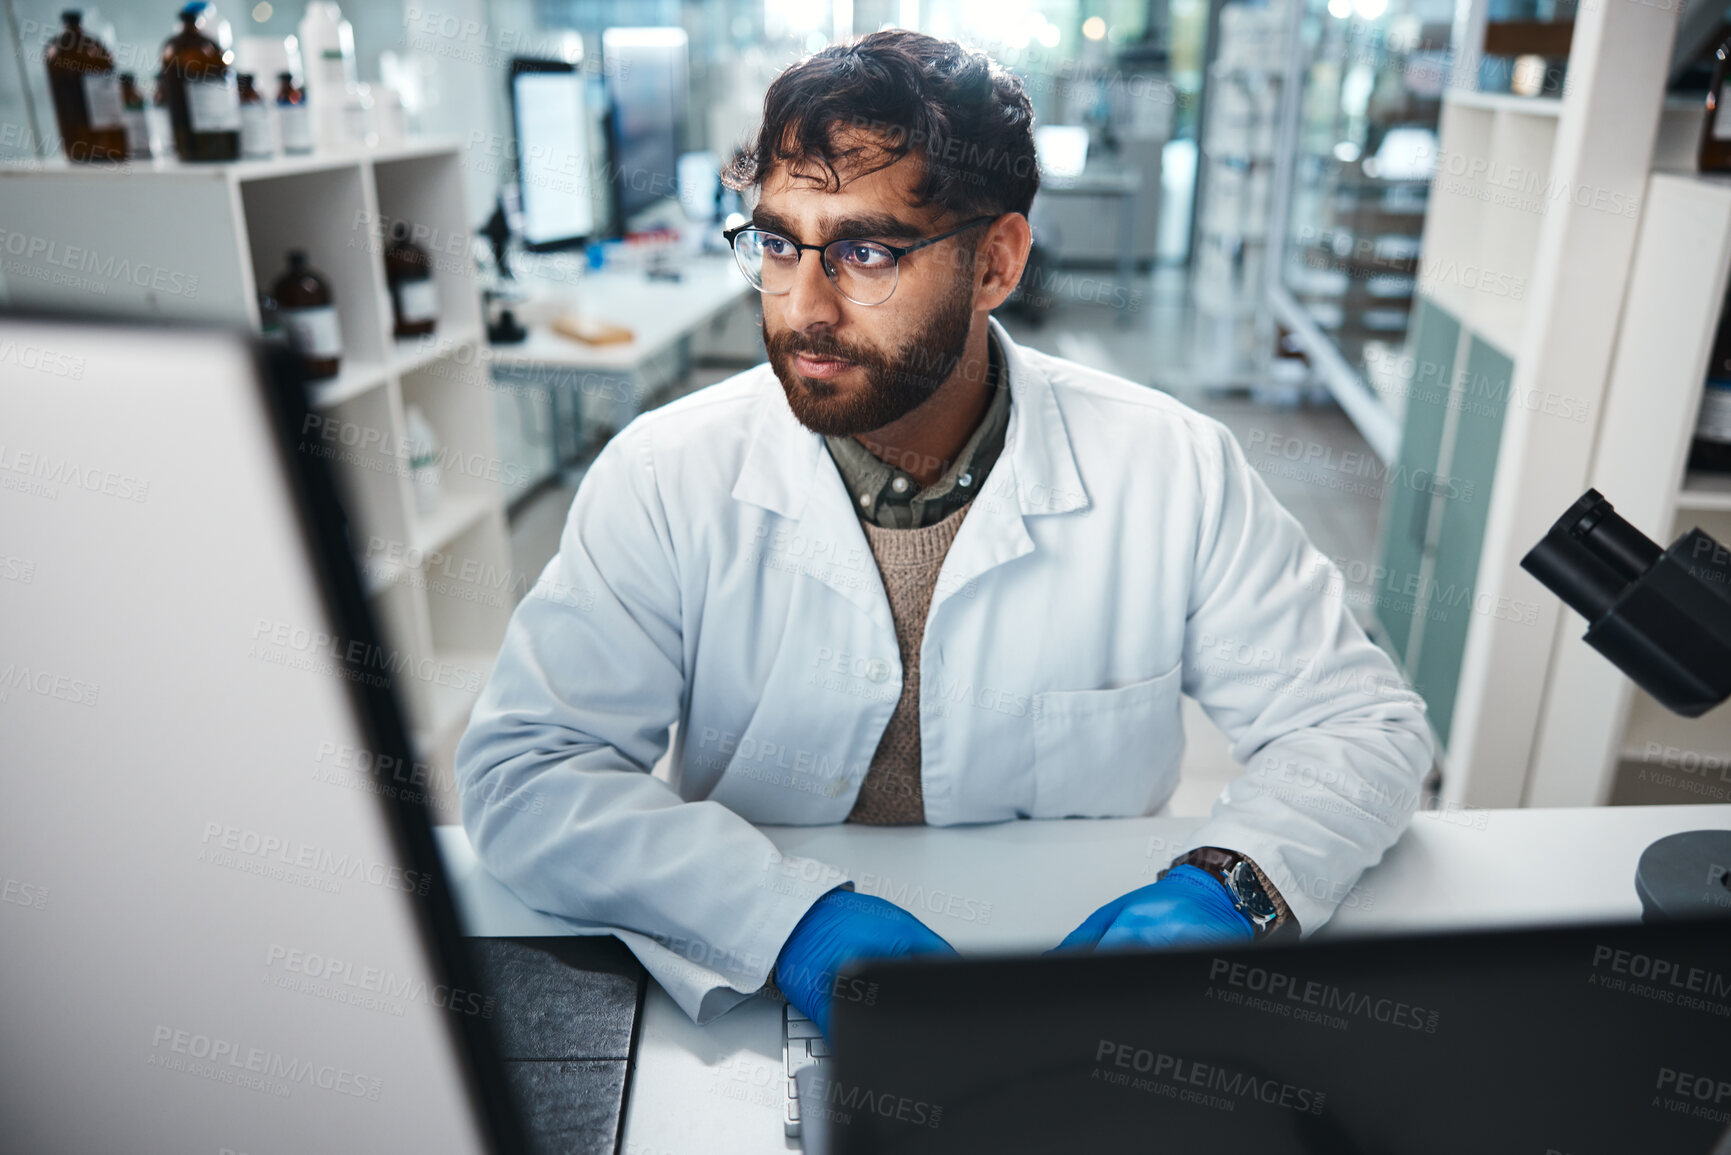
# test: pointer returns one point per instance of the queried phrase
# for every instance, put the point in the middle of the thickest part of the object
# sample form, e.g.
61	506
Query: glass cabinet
1371	83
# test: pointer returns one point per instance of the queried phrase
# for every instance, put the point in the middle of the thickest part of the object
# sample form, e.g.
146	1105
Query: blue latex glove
839	927
1189	907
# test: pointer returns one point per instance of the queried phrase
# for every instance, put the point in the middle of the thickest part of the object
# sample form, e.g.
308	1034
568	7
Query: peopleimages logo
102	268
226	1061
53	471
913	896
1682	1092
28	356
343	980
304	863
16	677
1660	970
1323	996
1704	1088
300	647
835	1095
1198	1079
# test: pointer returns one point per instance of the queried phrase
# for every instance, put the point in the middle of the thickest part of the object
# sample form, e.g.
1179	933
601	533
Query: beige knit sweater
909	560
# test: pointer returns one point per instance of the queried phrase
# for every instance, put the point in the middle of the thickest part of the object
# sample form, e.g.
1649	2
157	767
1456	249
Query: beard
896	382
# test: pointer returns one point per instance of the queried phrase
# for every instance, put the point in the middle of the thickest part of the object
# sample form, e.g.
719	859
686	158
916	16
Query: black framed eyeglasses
865	272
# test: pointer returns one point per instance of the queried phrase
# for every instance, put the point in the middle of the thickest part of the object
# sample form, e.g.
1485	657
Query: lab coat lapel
788	470
1036	474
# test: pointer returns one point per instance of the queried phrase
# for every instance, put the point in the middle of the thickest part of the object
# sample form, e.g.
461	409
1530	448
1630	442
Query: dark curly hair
868	103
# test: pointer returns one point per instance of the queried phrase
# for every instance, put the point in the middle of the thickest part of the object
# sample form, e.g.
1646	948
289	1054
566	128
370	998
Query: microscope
1662	617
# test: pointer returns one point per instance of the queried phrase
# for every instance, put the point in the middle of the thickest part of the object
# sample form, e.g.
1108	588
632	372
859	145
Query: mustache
786	344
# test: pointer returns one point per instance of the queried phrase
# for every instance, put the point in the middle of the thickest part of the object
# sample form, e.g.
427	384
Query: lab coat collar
782	463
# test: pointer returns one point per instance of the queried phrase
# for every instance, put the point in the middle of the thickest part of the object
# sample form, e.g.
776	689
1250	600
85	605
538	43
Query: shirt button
900	485
865	499
877	670
965	479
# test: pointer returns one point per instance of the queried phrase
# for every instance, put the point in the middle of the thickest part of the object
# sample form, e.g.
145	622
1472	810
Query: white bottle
327	44
159	127
423	460
390	119
358	129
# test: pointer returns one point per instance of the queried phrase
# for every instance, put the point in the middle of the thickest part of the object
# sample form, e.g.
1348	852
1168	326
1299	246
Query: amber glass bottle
86	93
294	119
309	317
134	116
203	99
257	137
409	272
1716	129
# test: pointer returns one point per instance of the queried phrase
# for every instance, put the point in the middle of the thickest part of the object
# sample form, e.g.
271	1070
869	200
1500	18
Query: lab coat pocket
1107	753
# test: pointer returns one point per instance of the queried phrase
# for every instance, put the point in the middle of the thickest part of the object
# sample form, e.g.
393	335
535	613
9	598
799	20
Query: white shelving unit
1230	343
1596	723
1237	160
198	242
1547	197
1477	223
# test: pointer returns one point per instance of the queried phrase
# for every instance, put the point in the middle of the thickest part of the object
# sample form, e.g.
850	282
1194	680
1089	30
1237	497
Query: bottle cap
297	258
72	16
399	231
128	78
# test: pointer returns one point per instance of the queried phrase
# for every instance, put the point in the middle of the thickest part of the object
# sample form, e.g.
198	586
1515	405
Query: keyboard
802	1045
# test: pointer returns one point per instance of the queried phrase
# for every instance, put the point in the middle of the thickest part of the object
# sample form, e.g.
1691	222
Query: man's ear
1002	255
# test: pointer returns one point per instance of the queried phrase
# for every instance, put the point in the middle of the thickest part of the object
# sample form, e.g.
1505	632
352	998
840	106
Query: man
909	572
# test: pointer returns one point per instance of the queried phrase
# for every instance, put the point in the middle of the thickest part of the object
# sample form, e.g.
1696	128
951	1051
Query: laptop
210	942
1584	1040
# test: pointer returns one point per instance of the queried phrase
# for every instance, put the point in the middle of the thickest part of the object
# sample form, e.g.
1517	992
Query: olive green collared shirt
890	498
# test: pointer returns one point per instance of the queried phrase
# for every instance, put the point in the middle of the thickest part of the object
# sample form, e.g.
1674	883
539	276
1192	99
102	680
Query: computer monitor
647	77
1568	1039
563	202
218	935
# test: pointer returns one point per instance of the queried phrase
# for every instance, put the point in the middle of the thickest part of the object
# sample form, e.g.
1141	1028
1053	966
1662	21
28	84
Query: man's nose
813	300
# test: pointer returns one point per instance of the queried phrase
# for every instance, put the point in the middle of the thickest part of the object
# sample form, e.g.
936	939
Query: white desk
718	1090
606	385
1126	185
659	313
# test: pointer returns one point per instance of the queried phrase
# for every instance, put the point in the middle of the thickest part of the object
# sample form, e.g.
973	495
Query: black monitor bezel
620	219
380	715
601	215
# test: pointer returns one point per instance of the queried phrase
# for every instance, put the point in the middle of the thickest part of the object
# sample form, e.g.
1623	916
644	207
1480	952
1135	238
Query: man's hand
839	927
1188	907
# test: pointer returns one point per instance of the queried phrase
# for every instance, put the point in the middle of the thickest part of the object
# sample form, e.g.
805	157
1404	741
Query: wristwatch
1251	892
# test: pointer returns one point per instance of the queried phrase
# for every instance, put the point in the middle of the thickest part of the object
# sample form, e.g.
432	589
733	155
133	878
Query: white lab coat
713	572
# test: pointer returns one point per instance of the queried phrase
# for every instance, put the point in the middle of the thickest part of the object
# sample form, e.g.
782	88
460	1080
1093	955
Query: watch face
1256	902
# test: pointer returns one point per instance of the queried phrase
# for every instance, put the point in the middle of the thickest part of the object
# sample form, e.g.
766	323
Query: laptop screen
1581	1040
